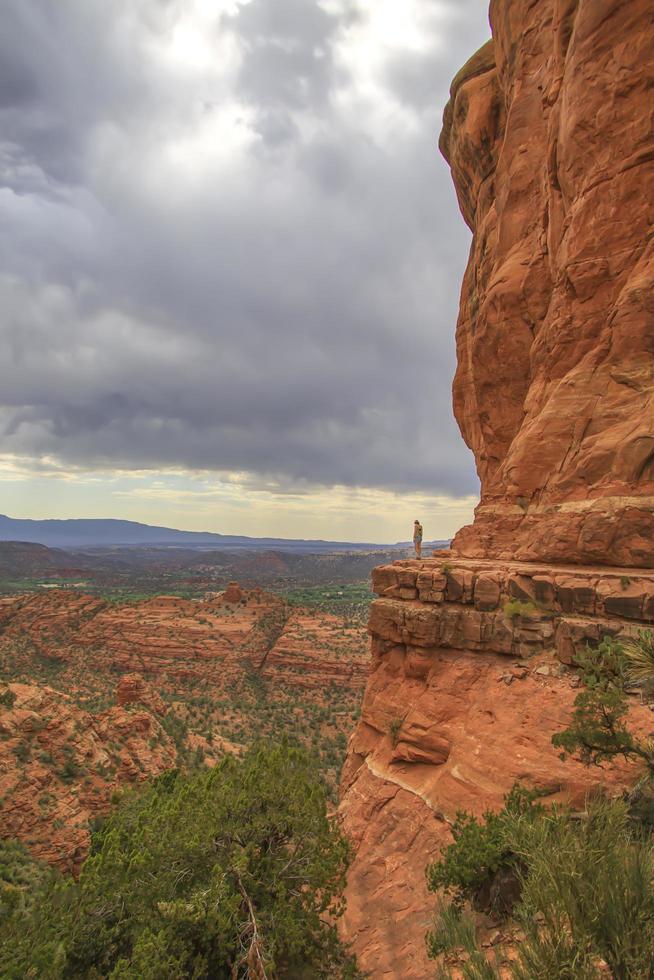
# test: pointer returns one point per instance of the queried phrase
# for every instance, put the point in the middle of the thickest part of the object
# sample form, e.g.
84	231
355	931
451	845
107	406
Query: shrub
22	751
598	731
587	898
394	730
70	770
8	698
515	608
232	872
482	849
639	652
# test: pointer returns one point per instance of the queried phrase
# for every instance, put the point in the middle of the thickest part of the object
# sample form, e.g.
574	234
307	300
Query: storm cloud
228	241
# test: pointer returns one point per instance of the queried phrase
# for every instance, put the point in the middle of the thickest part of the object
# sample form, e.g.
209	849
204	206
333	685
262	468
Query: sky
230	264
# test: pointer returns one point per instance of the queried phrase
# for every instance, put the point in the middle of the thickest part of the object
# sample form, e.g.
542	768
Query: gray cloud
286	308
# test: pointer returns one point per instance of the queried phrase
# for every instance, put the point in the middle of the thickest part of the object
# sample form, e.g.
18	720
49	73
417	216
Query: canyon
85	638
548	135
152	685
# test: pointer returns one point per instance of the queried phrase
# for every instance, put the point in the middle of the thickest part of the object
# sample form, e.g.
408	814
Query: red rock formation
549	137
171	638
314	650
548	134
60	766
233	593
133	689
470	680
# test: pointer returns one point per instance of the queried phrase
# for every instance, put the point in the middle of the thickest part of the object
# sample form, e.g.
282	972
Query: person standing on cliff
417	538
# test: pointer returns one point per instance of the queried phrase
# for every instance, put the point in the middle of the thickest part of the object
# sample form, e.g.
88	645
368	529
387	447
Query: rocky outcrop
233	593
549	137
61	765
315	651
512	608
470	679
133	689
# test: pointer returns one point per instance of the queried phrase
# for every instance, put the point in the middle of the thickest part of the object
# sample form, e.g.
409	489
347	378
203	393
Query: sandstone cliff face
463	699
549	134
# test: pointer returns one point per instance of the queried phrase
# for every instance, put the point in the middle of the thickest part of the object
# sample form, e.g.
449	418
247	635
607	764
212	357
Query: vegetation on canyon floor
136	573
241	704
575	891
226	873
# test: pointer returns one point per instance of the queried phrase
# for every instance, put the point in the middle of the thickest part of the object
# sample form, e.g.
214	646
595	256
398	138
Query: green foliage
225	873
594	882
515	608
481	848
394	730
639	652
70	770
22	751
587	898
598	731
21	878
350	601
8	698
454	930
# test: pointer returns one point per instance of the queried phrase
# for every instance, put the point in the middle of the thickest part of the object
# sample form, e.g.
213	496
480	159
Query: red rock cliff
548	134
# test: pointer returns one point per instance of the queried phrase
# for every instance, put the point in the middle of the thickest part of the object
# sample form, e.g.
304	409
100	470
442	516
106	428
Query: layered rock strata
171	638
470	678
512	608
548	133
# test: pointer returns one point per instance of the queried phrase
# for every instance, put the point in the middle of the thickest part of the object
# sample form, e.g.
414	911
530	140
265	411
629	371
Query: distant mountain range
90	533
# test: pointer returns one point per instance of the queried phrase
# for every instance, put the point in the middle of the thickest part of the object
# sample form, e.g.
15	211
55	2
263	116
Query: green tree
231	873
598	731
481	864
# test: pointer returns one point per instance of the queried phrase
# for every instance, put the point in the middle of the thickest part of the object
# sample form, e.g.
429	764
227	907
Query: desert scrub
481	850
7	698
70	770
394	730
639	652
516	608
231	872
587	897
598	730
22	751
